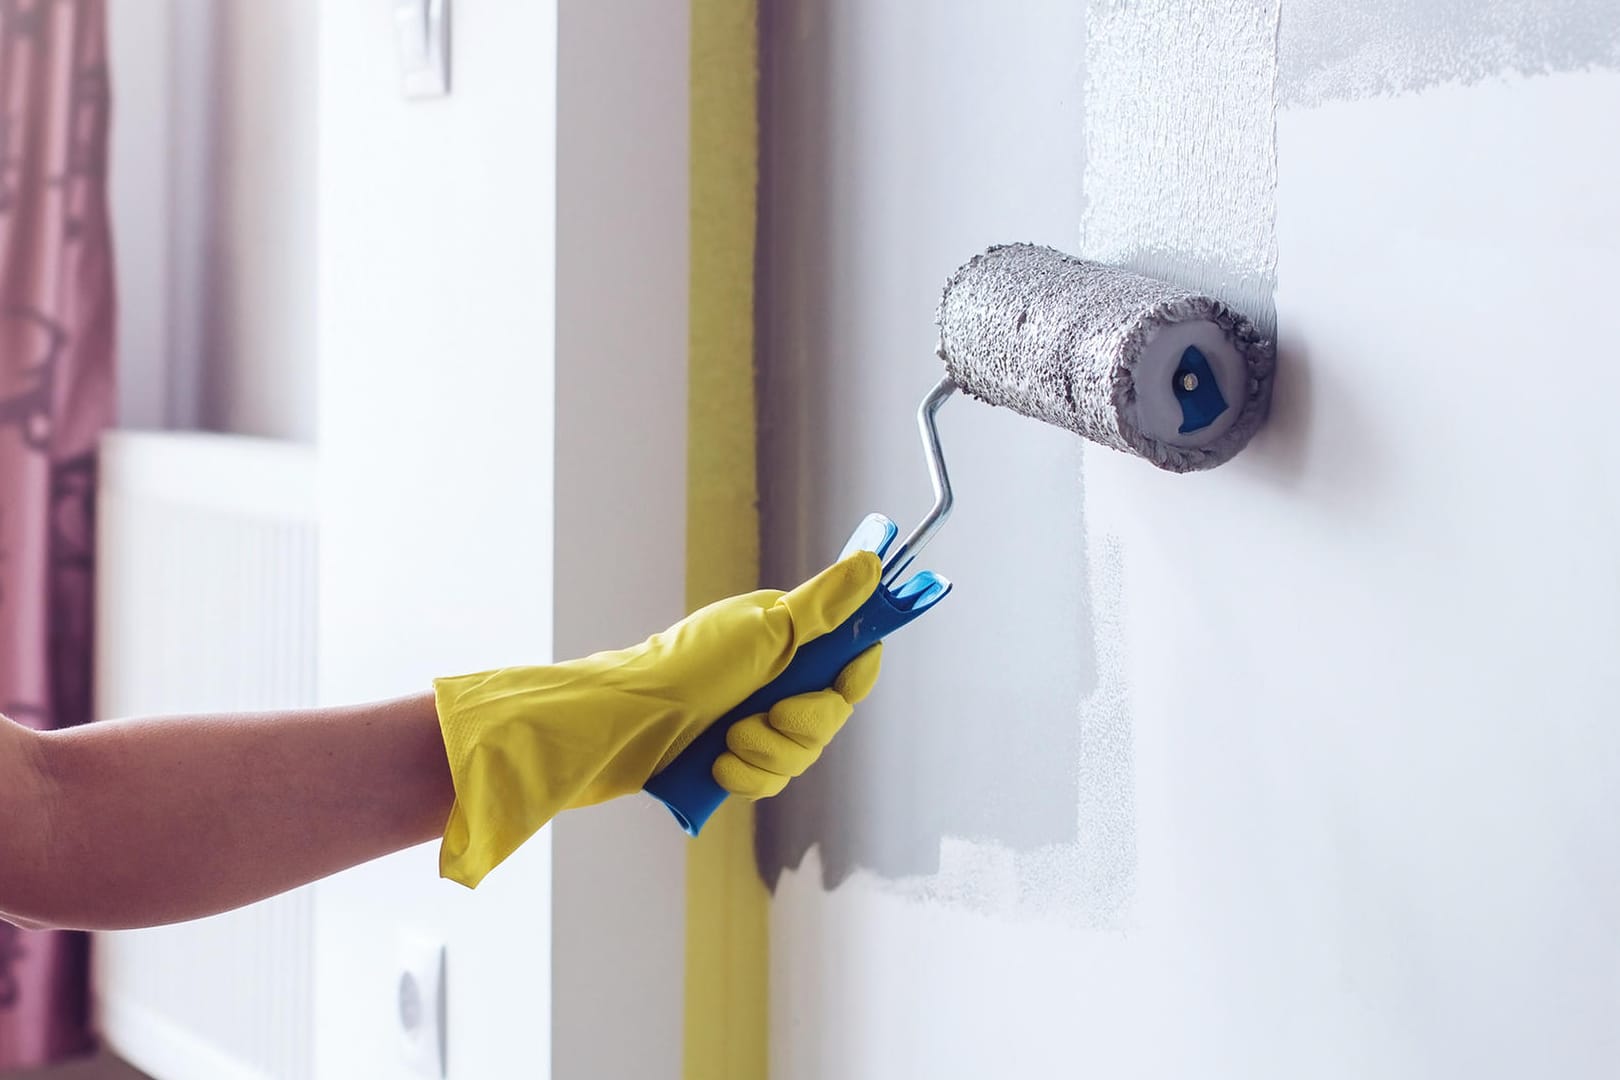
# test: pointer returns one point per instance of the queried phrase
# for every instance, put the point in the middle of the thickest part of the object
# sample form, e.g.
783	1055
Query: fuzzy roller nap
1132	363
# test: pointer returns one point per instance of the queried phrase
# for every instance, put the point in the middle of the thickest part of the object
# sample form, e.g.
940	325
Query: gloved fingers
759	744
745	780
810	720
765	752
860	675
833	595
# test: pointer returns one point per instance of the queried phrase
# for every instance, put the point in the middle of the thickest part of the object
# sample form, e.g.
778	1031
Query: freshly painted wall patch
1181	164
1329	50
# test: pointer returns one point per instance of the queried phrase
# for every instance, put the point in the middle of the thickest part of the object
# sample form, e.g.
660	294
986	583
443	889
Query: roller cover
1101	351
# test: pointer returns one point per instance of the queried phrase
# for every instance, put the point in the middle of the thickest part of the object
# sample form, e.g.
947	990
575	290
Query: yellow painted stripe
726	903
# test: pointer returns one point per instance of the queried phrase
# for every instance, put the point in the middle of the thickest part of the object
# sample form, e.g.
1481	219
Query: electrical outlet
420	1004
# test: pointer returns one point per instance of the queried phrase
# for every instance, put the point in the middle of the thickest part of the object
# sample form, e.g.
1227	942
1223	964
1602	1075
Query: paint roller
1127	361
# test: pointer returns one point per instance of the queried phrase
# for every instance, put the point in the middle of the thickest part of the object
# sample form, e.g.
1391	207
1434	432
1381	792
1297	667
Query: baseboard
157	1045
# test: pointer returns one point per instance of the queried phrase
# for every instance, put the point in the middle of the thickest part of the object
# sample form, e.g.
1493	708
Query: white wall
1348	698
502	386
141	157
213	200
436	342
259	354
495	291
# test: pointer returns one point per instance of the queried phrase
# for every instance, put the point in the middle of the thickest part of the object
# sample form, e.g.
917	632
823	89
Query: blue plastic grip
687	784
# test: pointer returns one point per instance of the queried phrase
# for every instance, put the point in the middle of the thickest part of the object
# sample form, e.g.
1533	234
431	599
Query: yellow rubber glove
526	743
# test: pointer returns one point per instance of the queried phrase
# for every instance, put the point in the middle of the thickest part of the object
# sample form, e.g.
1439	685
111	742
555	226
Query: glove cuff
497	808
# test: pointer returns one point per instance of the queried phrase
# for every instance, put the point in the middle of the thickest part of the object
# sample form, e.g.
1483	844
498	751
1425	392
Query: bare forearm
158	820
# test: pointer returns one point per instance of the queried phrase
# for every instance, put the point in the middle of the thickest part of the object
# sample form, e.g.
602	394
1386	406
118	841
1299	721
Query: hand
764	752
526	743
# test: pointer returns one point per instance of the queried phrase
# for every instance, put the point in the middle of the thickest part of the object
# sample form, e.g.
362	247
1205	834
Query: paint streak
1087	878
1090	881
1181	164
1107	811
1333	51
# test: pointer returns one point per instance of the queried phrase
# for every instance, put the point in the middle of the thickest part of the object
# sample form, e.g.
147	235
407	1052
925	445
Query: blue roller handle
687	784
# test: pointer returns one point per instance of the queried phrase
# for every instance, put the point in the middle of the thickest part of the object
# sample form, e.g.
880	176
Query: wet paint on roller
1181	164
1329	50
1093	349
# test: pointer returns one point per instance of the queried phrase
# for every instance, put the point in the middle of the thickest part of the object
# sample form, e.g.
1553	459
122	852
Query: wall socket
420	1005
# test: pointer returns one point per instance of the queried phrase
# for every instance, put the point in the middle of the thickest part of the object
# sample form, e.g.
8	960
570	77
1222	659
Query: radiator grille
206	602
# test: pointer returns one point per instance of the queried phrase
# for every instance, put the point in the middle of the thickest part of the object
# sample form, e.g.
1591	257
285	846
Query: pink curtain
56	395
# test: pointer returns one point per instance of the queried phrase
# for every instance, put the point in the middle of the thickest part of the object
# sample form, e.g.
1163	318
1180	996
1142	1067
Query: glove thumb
826	600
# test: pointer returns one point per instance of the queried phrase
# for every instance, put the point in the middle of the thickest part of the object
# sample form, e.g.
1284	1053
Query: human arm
142	822
21	814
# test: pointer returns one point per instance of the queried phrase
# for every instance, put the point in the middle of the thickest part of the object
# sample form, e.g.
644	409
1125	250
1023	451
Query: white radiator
205	601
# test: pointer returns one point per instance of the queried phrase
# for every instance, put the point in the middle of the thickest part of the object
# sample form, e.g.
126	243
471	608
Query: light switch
422	35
